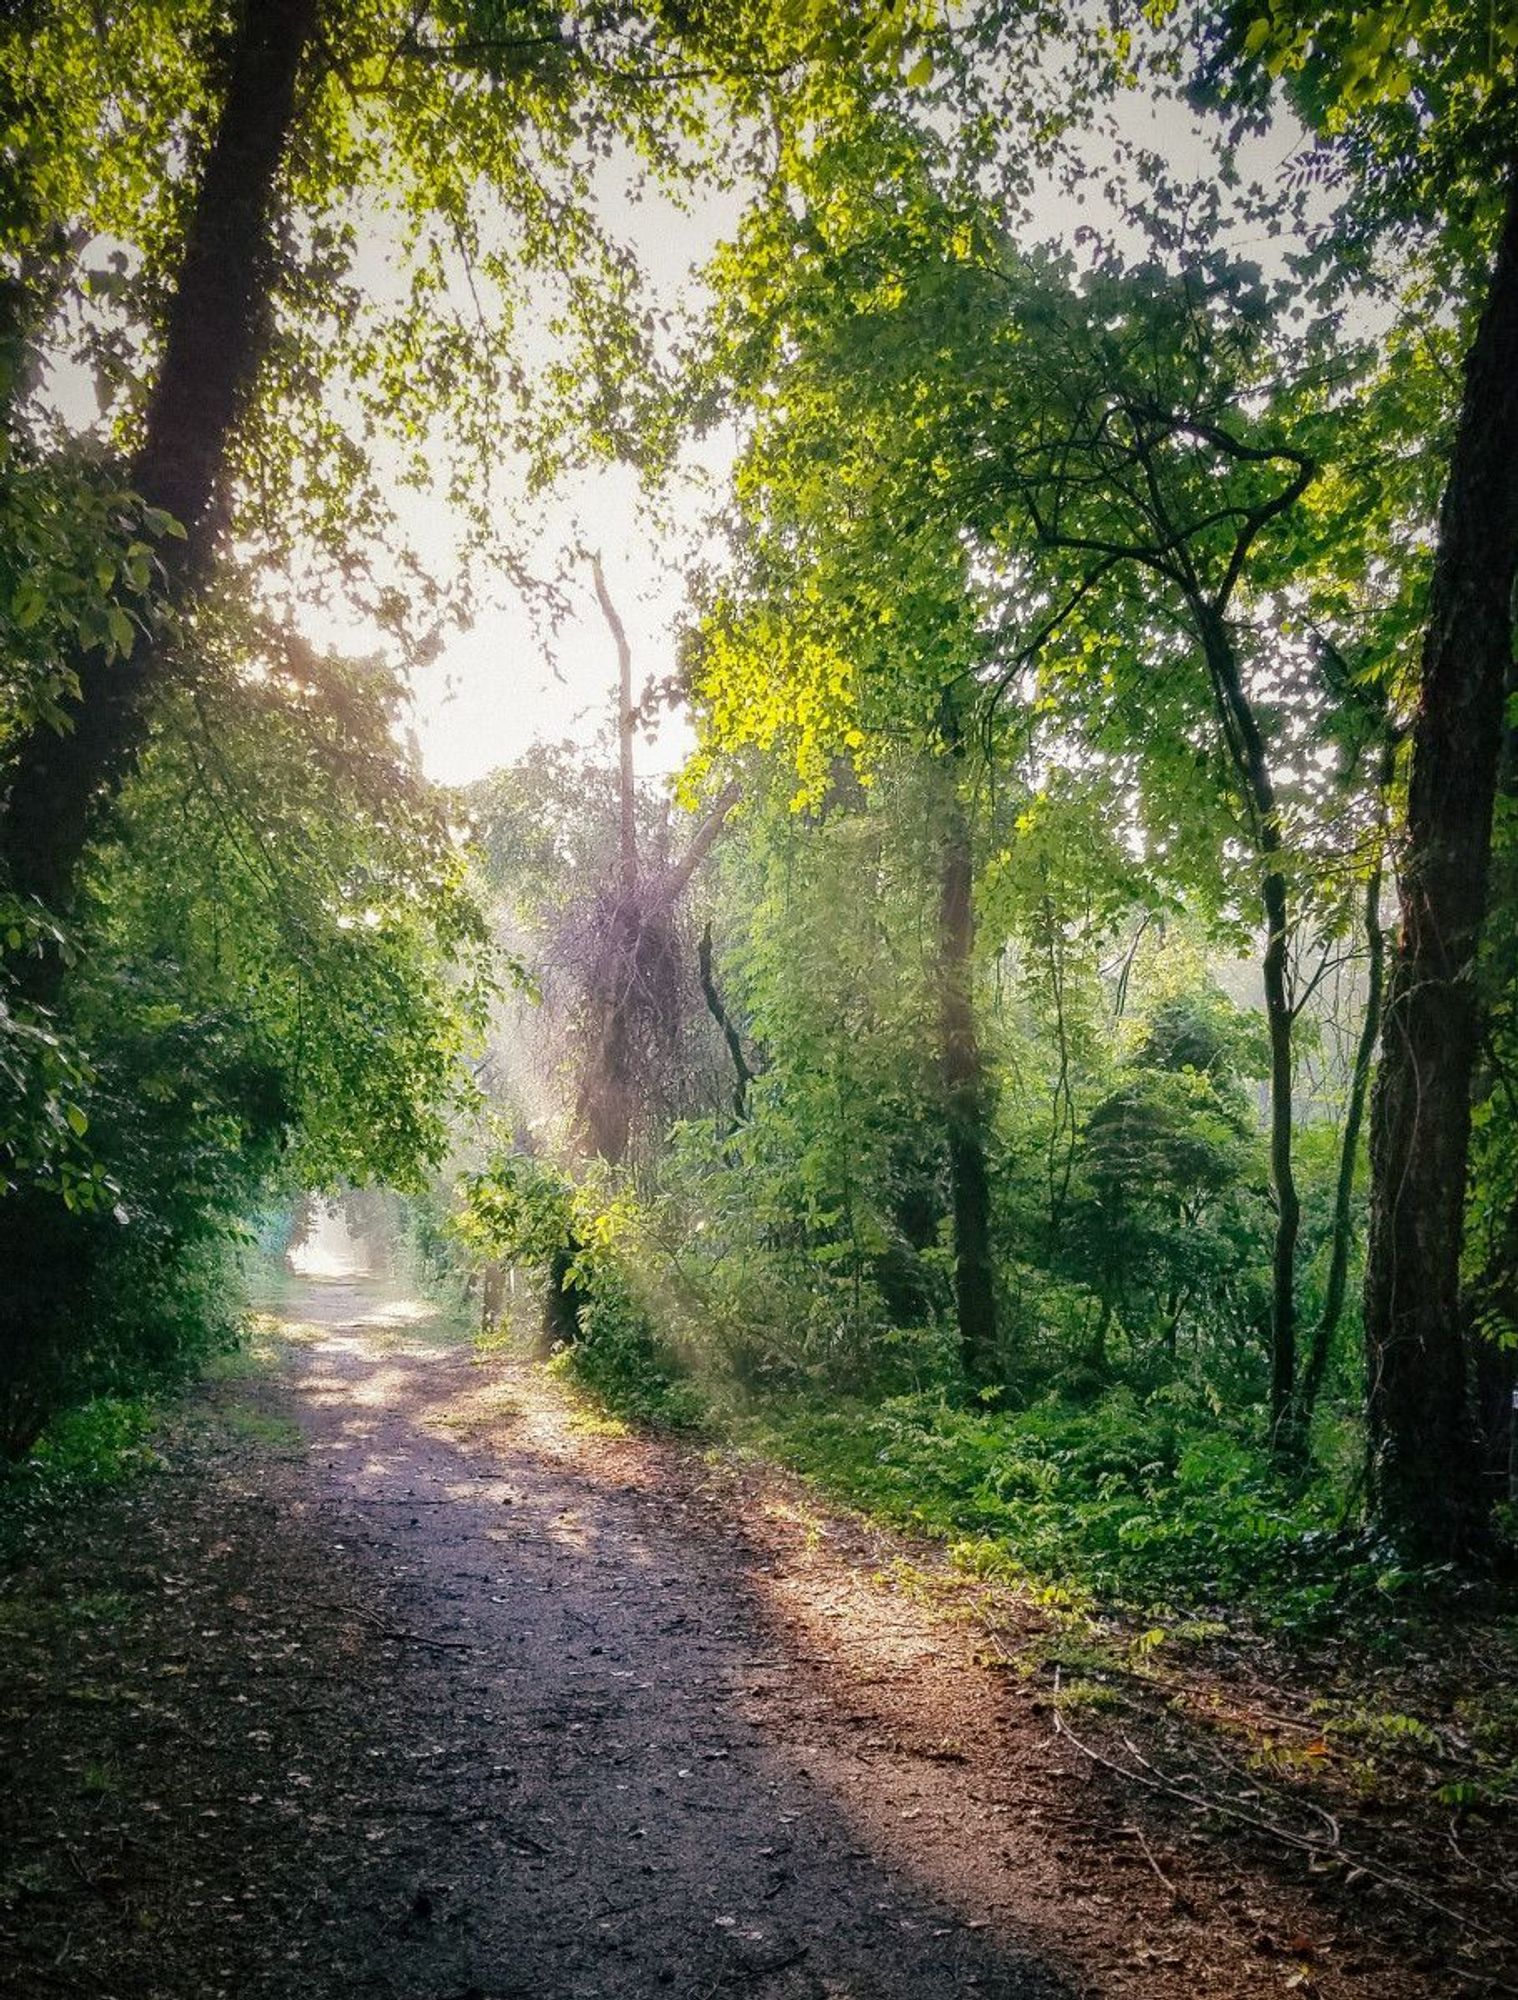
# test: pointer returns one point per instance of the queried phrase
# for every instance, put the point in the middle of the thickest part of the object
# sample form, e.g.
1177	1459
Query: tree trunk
964	1083
1424	1471
743	1076
627	796
1246	748
214	336
1489	1301
1341	1235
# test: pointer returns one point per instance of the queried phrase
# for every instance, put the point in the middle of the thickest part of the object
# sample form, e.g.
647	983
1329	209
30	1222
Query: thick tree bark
1424	1471
964	1084
213	339
1489	1306
1246	747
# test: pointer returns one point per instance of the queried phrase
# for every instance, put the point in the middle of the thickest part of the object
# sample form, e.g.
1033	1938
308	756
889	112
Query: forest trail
408	1684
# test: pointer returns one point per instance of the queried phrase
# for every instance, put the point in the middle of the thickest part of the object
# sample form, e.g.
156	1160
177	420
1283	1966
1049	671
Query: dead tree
633	969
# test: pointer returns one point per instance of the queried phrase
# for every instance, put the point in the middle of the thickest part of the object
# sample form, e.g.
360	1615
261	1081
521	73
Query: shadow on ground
402	1684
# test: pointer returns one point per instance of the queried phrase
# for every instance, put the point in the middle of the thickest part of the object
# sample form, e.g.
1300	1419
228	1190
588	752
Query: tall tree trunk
1424	1471
1246	747
1341	1235
213	340
964	1084
1489	1301
59	781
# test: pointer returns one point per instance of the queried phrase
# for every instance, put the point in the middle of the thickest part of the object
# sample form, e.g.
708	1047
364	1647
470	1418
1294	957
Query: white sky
494	689
499	687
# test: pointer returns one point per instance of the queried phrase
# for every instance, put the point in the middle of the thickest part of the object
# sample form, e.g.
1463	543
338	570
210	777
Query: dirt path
439	1697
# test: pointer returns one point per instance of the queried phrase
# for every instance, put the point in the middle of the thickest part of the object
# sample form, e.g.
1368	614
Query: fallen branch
1322	1849
1176	1898
384	1631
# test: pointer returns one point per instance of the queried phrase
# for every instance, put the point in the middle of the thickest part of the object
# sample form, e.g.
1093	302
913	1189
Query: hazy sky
498	687
494	689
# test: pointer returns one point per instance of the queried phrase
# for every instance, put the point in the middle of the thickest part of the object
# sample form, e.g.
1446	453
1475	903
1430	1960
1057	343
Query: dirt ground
403	1682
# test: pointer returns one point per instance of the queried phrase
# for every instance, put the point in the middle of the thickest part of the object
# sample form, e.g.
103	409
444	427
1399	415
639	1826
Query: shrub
525	1212
1141	1503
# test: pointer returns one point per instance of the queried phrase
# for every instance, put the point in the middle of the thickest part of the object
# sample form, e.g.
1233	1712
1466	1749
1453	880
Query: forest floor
406	1678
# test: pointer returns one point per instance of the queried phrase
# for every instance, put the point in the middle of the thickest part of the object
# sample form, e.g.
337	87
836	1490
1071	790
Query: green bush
575	1234
83	1451
1139	1503
98	1445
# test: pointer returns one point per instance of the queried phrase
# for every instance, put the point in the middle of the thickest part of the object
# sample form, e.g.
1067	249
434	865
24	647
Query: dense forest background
1048	1066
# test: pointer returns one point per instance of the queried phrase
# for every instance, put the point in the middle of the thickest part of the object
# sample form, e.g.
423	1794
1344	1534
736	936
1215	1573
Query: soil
404	1680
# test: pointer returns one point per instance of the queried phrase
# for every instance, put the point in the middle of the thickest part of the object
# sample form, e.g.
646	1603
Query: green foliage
575	1235
519	1208
1416	99
103	1443
623	1365
1143	1504
99	1444
276	982
44	1076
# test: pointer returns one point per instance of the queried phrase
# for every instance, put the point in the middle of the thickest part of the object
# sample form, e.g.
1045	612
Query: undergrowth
84	1452
1136	1503
1132	1503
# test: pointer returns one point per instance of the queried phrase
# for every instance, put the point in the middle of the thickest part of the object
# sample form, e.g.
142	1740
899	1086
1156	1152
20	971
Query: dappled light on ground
411	1684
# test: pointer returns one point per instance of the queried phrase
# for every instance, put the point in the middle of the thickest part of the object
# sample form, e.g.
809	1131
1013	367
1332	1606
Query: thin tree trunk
964	1082
627	800
213	340
703	840
1424	1470
743	1076
1059	1173
1342	1232
1246	747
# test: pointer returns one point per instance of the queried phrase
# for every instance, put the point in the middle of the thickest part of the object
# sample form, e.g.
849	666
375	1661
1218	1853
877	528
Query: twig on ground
1318	1848
385	1631
1159	1874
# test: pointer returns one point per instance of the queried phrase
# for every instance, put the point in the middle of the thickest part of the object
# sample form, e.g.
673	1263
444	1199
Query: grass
257	1427
256	1355
99	1780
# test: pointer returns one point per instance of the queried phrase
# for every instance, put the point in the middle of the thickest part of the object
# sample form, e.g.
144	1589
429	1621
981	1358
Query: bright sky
494	690
498	687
